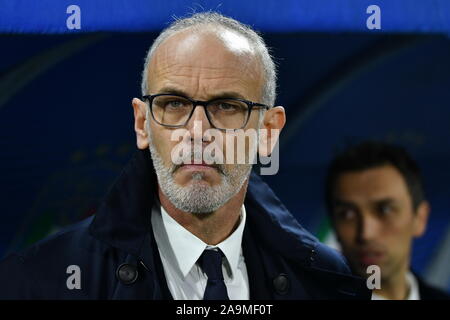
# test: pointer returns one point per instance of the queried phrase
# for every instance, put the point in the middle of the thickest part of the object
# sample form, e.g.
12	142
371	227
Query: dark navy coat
117	256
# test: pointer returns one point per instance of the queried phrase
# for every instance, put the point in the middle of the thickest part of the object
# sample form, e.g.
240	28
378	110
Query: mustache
199	156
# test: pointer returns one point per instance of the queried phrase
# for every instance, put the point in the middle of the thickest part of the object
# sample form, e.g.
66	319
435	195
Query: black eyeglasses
174	111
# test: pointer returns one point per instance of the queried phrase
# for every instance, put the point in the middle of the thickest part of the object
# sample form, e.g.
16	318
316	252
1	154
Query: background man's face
203	67
374	219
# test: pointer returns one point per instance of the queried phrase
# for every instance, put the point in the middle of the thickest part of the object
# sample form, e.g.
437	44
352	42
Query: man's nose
198	122
368	228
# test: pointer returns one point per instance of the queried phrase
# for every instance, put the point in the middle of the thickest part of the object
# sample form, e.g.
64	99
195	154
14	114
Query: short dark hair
372	154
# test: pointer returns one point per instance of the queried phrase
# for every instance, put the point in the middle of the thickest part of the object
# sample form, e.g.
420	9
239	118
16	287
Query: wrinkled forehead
216	49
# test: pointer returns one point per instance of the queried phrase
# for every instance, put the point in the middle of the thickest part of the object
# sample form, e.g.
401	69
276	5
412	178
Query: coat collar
124	217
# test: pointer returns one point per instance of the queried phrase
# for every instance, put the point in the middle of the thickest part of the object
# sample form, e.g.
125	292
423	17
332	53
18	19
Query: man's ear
140	120
421	219
273	123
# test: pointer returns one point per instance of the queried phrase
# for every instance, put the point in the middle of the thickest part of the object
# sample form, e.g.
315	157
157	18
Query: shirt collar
413	289
187	248
232	246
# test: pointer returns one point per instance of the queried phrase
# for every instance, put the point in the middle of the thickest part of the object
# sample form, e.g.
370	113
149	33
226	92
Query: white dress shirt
180	249
413	289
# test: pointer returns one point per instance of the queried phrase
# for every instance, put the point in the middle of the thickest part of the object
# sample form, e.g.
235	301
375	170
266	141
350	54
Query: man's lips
369	257
196	167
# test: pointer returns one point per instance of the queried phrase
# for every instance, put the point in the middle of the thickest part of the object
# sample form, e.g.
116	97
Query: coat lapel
259	287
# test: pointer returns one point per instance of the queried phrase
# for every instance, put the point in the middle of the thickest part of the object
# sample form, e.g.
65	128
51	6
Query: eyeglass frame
250	105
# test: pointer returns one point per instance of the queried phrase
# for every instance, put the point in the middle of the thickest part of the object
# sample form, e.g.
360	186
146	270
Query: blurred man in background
375	197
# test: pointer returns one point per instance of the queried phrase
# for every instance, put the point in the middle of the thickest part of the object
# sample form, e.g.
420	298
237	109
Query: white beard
198	197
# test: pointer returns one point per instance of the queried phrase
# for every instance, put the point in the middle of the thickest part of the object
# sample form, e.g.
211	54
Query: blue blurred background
66	122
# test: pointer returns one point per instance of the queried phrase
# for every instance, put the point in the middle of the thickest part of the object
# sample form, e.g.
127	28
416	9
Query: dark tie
211	263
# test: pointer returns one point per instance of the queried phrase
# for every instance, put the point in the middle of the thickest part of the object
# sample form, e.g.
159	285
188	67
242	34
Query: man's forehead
196	47
205	61
372	184
221	37
235	42
378	175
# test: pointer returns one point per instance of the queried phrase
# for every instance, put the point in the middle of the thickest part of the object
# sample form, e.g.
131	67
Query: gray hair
217	20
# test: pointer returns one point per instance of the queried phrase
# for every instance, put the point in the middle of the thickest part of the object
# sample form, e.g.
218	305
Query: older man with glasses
196	229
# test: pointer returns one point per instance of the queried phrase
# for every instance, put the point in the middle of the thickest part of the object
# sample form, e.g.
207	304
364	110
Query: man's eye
227	107
385	210
174	104
345	214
